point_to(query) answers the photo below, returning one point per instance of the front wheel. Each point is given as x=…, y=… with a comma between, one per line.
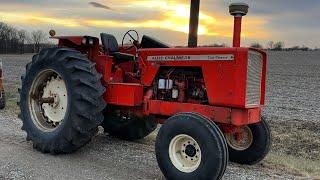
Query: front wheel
x=189, y=147
x=251, y=145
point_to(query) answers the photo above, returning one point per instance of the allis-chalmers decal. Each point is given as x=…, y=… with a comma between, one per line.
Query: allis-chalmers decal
x=214, y=57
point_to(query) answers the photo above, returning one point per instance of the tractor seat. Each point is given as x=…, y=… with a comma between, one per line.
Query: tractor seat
x=110, y=45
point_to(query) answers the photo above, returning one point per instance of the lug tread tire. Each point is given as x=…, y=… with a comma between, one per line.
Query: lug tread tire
x=204, y=130
x=85, y=101
x=134, y=129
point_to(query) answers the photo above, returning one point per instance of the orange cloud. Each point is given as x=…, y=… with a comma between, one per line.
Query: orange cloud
x=30, y=18
x=174, y=17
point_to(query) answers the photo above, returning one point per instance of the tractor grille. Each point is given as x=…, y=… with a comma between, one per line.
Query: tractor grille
x=254, y=76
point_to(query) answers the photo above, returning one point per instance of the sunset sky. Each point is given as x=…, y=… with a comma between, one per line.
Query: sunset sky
x=296, y=22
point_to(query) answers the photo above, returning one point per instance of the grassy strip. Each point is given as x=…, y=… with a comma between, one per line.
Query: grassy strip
x=12, y=97
x=296, y=165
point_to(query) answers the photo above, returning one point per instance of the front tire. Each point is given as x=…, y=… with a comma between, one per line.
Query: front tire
x=188, y=146
x=254, y=145
x=61, y=100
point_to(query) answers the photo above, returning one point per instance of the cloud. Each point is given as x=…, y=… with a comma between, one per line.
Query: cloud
x=99, y=5
x=292, y=21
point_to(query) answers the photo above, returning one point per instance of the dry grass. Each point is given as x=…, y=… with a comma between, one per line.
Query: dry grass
x=293, y=164
x=12, y=97
x=297, y=138
x=296, y=147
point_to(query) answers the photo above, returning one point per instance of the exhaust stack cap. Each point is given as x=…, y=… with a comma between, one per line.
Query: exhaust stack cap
x=238, y=9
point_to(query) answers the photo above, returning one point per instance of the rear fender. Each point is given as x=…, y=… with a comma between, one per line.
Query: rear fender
x=75, y=42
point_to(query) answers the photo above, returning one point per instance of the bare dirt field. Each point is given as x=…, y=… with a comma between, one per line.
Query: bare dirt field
x=292, y=109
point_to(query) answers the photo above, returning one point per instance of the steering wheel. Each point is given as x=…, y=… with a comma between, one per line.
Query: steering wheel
x=133, y=41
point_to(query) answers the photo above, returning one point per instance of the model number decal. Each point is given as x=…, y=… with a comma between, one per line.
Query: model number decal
x=214, y=57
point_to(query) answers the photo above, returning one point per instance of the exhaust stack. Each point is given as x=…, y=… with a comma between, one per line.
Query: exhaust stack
x=194, y=23
x=238, y=10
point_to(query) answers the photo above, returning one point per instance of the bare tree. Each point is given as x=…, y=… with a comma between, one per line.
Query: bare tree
x=22, y=38
x=37, y=38
x=270, y=45
x=217, y=45
x=8, y=38
x=13, y=40
x=278, y=46
x=256, y=45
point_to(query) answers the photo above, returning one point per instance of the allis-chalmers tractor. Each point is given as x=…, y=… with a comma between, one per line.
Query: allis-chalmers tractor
x=209, y=100
x=2, y=97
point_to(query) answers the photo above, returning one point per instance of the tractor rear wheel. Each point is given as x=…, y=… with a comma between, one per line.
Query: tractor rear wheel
x=61, y=100
x=127, y=127
x=189, y=146
x=253, y=145
x=2, y=100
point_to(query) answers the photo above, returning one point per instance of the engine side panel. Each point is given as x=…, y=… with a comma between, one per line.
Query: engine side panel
x=224, y=70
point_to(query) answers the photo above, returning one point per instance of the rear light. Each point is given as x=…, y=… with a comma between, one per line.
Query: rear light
x=254, y=77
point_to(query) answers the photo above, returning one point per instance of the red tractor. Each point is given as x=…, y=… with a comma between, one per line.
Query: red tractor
x=2, y=97
x=209, y=100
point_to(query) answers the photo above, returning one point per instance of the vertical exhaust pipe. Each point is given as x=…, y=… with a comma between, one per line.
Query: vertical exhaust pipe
x=194, y=23
x=238, y=10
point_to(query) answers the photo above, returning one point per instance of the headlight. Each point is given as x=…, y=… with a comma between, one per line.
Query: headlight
x=84, y=41
x=88, y=41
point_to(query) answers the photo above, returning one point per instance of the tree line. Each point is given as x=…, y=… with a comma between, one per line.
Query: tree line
x=13, y=40
x=271, y=45
x=280, y=46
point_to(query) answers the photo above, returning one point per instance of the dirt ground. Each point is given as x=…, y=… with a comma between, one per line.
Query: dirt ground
x=292, y=110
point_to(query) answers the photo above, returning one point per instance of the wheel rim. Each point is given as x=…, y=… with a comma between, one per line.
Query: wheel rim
x=185, y=153
x=242, y=143
x=48, y=100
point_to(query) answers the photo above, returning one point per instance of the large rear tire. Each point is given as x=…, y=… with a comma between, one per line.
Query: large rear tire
x=127, y=127
x=253, y=146
x=190, y=147
x=61, y=100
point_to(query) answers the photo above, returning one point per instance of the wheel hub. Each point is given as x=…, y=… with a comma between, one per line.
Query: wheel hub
x=48, y=100
x=190, y=150
x=185, y=153
x=56, y=110
x=241, y=139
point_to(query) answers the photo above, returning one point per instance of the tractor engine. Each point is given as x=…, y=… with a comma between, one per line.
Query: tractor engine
x=180, y=85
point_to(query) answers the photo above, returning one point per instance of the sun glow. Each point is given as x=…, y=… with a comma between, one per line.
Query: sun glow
x=172, y=16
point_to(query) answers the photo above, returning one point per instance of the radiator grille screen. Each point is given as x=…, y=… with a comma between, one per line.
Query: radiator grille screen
x=254, y=76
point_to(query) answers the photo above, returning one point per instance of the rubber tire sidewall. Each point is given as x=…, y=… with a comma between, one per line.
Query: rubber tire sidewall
x=259, y=148
x=26, y=87
x=71, y=134
x=211, y=152
x=131, y=130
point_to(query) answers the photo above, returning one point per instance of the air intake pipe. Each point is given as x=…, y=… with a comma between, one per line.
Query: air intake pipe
x=238, y=10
